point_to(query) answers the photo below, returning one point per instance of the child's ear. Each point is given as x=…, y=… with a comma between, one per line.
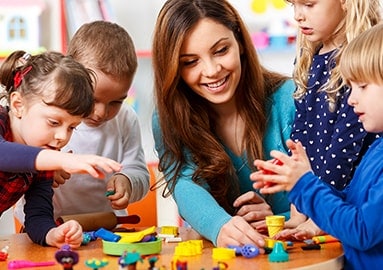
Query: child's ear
x=16, y=104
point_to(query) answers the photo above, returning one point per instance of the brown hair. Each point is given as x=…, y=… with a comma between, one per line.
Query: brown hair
x=186, y=120
x=59, y=80
x=104, y=46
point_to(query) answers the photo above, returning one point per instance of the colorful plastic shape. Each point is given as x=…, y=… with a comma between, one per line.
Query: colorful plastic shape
x=107, y=235
x=222, y=254
x=4, y=253
x=96, y=264
x=169, y=230
x=249, y=251
x=278, y=254
x=133, y=237
x=18, y=264
x=189, y=248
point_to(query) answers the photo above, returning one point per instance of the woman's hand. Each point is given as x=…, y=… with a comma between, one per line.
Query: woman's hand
x=238, y=232
x=252, y=208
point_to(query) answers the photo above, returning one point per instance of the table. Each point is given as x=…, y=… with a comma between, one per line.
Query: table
x=330, y=256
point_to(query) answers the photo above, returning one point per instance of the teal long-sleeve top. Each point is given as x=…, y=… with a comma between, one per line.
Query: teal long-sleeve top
x=197, y=206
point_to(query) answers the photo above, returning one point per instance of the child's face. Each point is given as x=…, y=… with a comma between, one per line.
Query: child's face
x=41, y=125
x=109, y=94
x=210, y=61
x=318, y=19
x=366, y=99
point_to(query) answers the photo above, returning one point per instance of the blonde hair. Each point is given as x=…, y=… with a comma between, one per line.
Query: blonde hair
x=362, y=60
x=359, y=15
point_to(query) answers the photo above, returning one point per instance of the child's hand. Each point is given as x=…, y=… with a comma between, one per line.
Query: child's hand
x=59, y=178
x=122, y=188
x=283, y=176
x=92, y=164
x=305, y=230
x=68, y=233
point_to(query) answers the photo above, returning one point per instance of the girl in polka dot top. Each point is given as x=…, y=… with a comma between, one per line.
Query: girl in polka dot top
x=325, y=124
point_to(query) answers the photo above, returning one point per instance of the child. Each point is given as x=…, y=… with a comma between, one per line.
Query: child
x=48, y=95
x=218, y=109
x=351, y=215
x=112, y=130
x=326, y=126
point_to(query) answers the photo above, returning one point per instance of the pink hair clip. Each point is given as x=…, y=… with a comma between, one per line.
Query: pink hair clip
x=19, y=76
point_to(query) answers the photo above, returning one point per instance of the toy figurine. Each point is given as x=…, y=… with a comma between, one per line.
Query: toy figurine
x=128, y=261
x=152, y=261
x=66, y=257
x=96, y=264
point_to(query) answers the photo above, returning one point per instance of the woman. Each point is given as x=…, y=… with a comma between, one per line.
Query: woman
x=218, y=109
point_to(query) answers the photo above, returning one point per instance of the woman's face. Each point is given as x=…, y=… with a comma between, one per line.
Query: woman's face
x=210, y=61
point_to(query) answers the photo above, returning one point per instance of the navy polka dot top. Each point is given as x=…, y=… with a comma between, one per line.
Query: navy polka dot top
x=334, y=141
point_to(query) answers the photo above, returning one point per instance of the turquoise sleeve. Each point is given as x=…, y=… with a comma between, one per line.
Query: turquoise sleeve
x=195, y=204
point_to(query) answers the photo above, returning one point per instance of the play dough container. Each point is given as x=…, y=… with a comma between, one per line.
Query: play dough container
x=131, y=242
x=144, y=248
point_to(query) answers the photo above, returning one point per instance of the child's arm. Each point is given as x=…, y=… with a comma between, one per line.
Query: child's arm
x=50, y=160
x=40, y=224
x=133, y=157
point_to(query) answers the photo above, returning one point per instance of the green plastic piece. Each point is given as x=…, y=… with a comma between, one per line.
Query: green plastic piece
x=144, y=248
x=278, y=254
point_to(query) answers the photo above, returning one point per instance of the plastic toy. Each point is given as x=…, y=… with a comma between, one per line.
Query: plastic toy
x=222, y=254
x=247, y=251
x=324, y=239
x=66, y=257
x=96, y=264
x=128, y=260
x=189, y=248
x=132, y=237
x=167, y=231
x=152, y=261
x=221, y=266
x=107, y=235
x=144, y=248
x=4, y=253
x=18, y=264
x=276, y=162
x=181, y=265
x=278, y=254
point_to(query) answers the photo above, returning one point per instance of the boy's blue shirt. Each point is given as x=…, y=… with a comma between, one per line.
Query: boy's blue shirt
x=352, y=215
x=193, y=199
